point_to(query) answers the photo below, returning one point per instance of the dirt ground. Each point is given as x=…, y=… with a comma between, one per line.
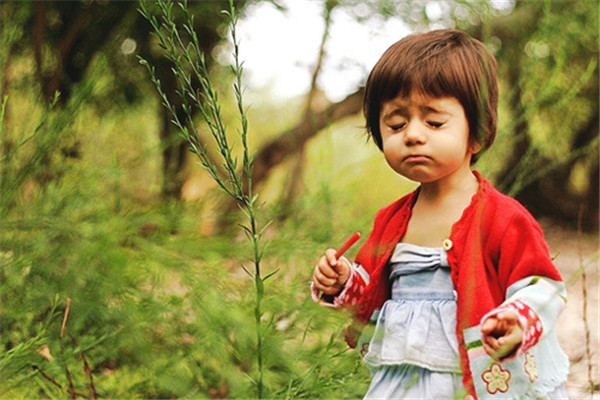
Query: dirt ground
x=574, y=252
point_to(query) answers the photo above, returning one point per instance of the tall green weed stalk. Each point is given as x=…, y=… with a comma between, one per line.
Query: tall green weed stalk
x=182, y=48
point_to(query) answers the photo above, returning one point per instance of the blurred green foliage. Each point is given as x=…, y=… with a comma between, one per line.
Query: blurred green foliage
x=157, y=309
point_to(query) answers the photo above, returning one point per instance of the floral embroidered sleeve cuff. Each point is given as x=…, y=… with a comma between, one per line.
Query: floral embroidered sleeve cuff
x=528, y=320
x=352, y=291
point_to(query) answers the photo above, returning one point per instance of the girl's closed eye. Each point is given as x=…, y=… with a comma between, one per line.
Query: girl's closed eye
x=397, y=127
x=435, y=124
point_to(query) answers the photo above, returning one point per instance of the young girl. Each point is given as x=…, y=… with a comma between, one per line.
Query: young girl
x=457, y=276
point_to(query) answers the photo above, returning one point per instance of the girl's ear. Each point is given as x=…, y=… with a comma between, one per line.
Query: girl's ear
x=474, y=147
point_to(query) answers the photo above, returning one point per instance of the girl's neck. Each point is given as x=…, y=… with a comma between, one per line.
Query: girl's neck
x=438, y=207
x=461, y=184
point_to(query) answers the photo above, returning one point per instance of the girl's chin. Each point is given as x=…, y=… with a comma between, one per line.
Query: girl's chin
x=418, y=175
x=429, y=174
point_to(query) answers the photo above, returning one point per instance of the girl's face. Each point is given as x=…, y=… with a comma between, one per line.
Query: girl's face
x=425, y=139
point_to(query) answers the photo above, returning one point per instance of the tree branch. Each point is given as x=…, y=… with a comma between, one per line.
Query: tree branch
x=277, y=150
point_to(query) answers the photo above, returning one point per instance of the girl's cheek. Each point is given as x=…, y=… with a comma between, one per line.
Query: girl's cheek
x=393, y=146
x=394, y=160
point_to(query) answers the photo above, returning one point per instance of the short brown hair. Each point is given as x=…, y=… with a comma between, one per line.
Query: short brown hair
x=440, y=63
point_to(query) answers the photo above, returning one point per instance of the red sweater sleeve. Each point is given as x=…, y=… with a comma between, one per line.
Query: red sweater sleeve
x=522, y=250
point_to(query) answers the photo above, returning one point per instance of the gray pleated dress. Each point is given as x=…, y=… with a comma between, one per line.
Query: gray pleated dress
x=414, y=350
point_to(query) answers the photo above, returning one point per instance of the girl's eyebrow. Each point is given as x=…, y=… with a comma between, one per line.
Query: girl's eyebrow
x=398, y=111
x=429, y=109
x=425, y=109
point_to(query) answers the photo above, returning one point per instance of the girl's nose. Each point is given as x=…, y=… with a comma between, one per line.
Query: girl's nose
x=414, y=134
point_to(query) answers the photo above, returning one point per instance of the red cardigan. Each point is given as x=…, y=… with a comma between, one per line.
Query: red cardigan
x=495, y=243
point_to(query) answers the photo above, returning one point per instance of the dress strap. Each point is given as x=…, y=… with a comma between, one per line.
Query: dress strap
x=408, y=258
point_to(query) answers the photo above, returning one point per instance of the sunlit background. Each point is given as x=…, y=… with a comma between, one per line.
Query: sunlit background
x=280, y=48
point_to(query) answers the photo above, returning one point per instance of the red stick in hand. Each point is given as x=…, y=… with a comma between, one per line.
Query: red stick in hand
x=349, y=243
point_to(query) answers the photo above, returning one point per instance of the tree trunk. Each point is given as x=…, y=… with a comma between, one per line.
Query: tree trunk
x=174, y=154
x=87, y=27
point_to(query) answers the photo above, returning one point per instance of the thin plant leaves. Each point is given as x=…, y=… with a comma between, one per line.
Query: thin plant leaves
x=189, y=66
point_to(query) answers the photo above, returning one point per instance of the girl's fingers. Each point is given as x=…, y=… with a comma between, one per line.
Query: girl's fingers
x=489, y=325
x=326, y=289
x=513, y=338
x=324, y=279
x=495, y=348
x=326, y=276
x=342, y=269
x=490, y=343
x=501, y=335
x=493, y=343
x=326, y=269
x=320, y=287
x=508, y=317
x=488, y=349
x=330, y=256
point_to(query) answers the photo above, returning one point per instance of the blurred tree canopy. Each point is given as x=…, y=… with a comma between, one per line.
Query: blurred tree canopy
x=547, y=55
x=548, y=61
x=66, y=37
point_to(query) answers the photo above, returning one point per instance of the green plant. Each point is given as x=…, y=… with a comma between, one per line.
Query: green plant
x=188, y=63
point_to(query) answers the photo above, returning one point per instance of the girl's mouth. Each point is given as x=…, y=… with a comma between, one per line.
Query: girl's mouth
x=416, y=159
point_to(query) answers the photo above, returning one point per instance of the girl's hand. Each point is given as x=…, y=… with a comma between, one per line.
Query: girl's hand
x=501, y=335
x=330, y=274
